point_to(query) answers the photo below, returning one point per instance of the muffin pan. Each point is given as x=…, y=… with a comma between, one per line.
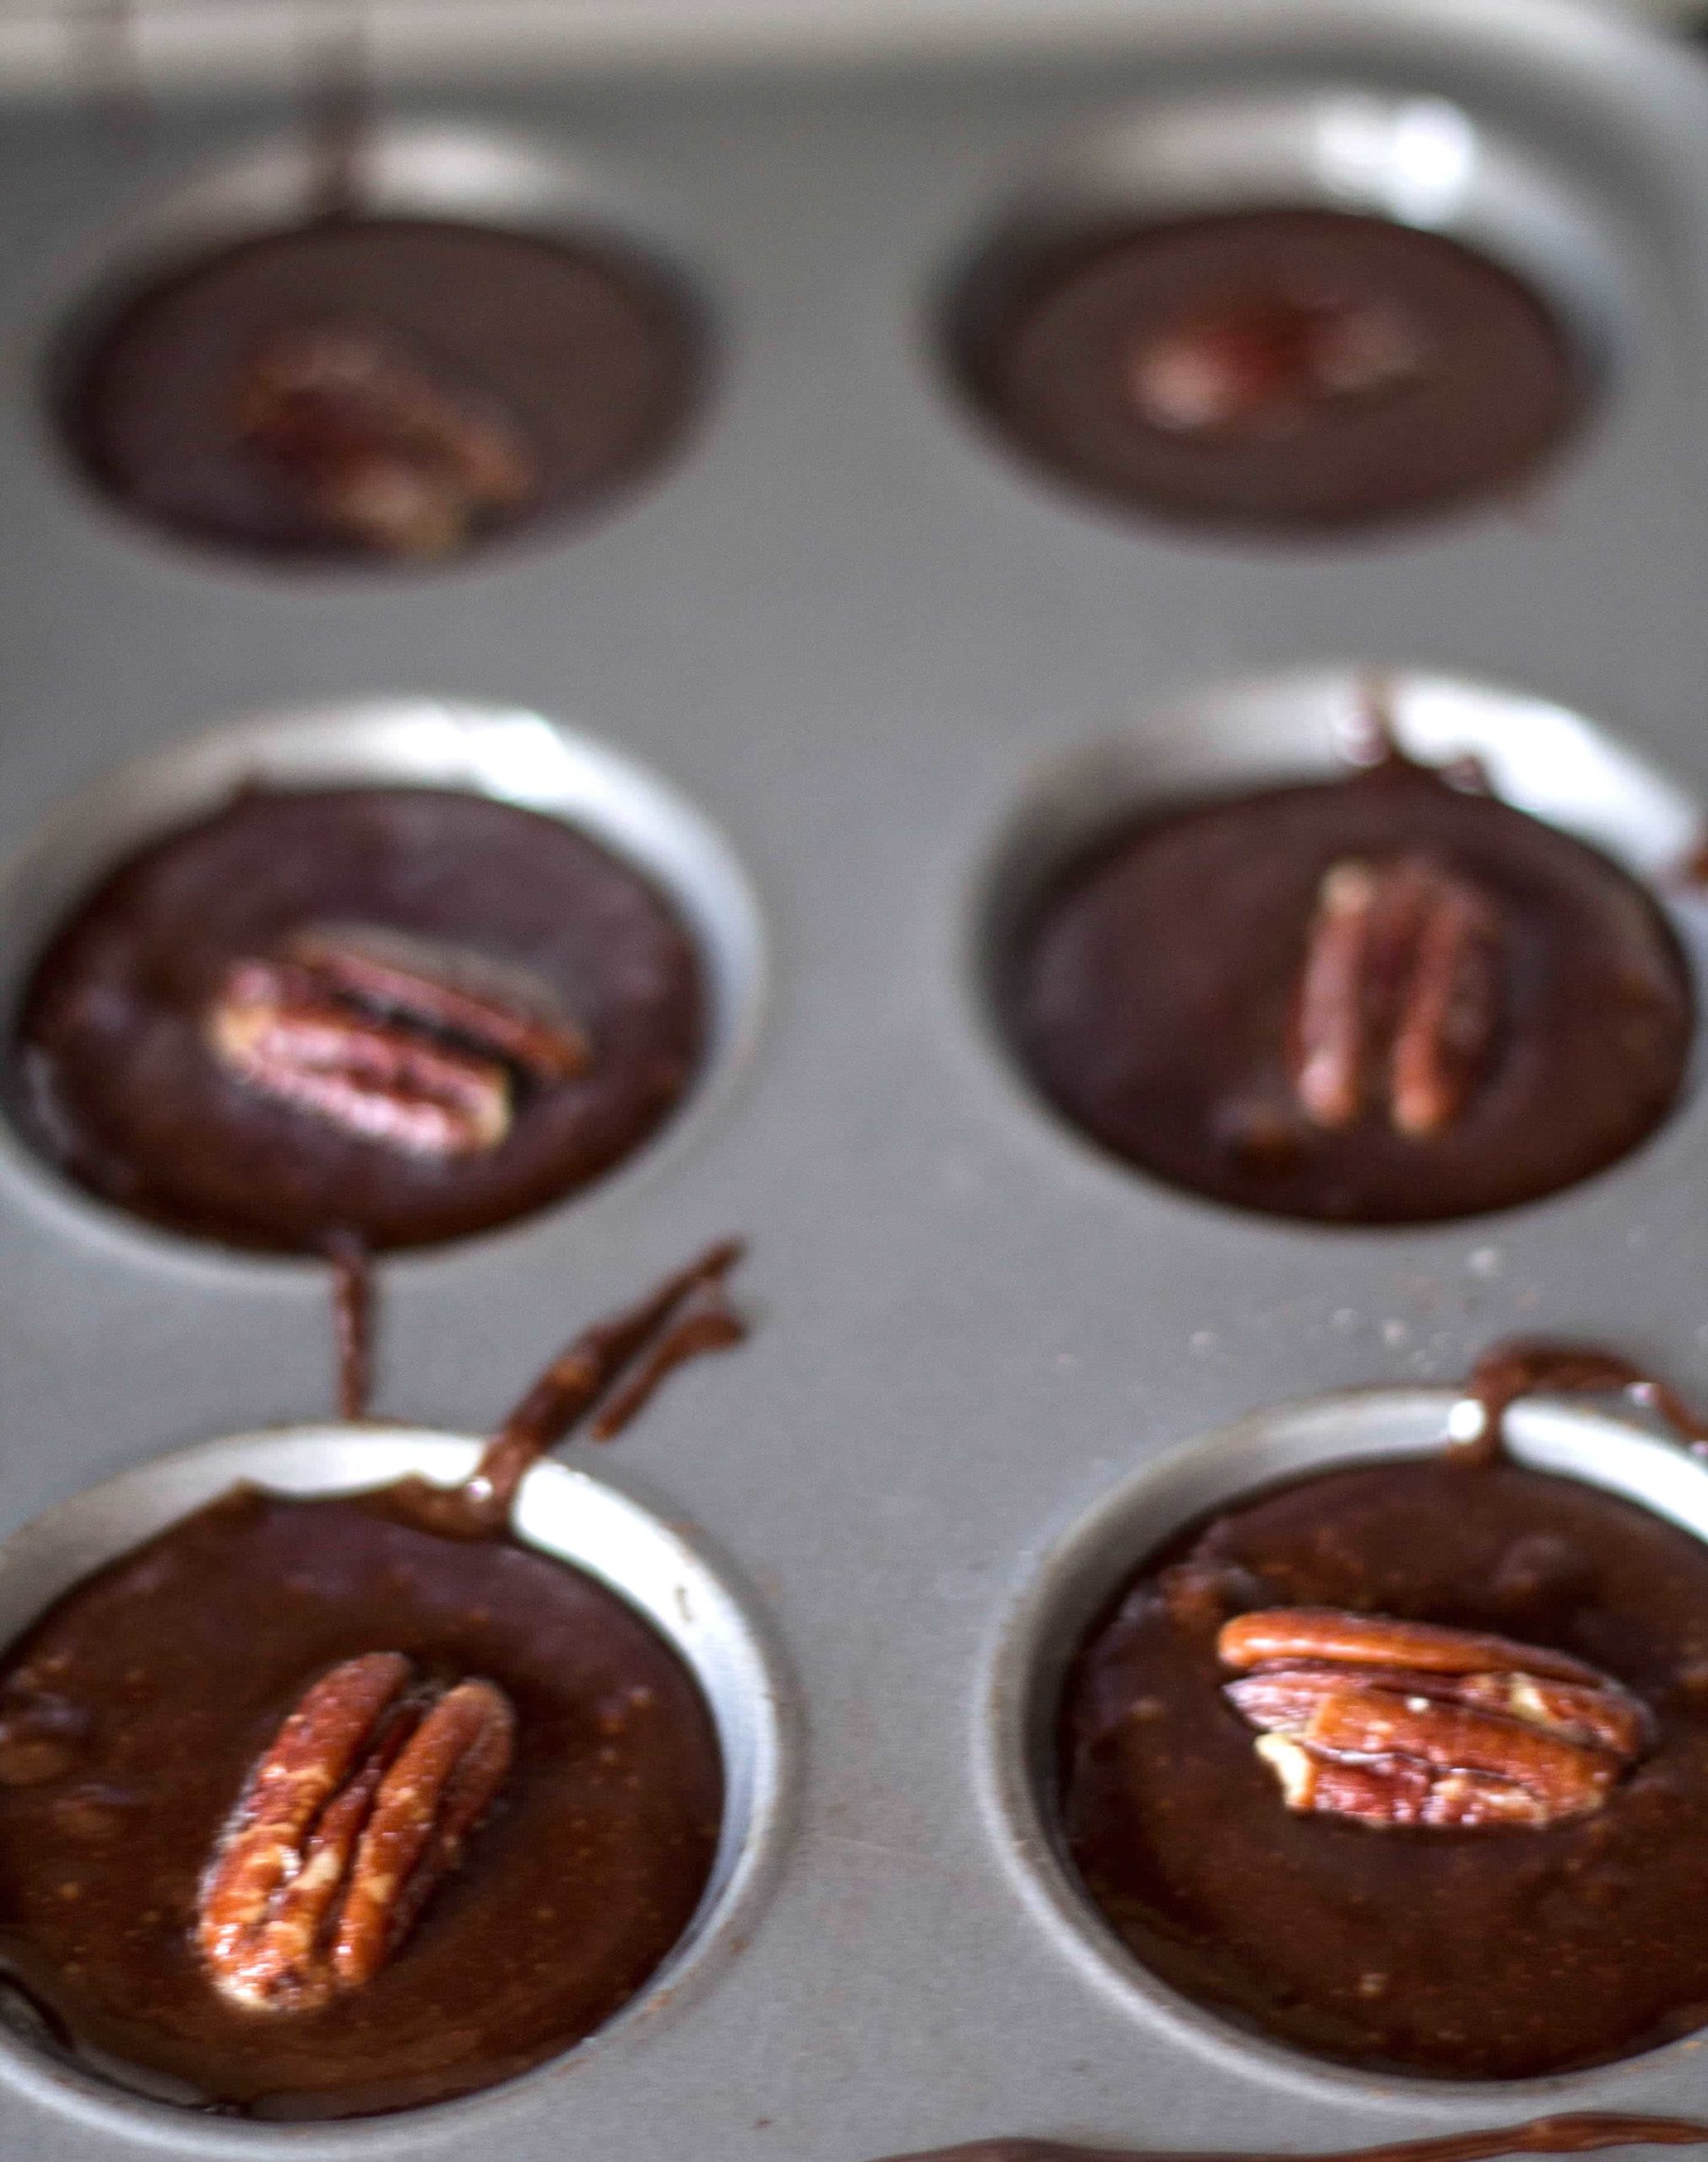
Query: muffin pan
x=868, y=645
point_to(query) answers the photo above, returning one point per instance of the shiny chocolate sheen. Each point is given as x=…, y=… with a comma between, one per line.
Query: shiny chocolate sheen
x=112, y=1079
x=1495, y=1954
x=167, y=1674
x=587, y=354
x=1493, y=392
x=1152, y=993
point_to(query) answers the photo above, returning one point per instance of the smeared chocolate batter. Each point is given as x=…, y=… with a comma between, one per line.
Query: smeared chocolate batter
x=1154, y=997
x=1581, y=2133
x=111, y=1078
x=1524, y=1366
x=605, y=1377
x=354, y=1294
x=1288, y=370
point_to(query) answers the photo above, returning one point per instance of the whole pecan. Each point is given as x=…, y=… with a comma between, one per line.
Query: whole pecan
x=364, y=432
x=391, y=1038
x=1401, y=1723
x=1261, y=365
x=1399, y=995
x=498, y=1008
x=358, y=1810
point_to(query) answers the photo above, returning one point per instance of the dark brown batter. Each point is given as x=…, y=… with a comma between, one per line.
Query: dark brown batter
x=112, y=1077
x=164, y=1810
x=582, y=360
x=1156, y=996
x=1281, y=369
x=1497, y=1953
x=354, y=1296
x=605, y=1378
x=1578, y=2134
x=1536, y=1365
x=164, y=1677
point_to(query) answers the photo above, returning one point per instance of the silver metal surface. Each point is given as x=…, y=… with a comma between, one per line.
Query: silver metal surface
x=45, y=44
x=867, y=647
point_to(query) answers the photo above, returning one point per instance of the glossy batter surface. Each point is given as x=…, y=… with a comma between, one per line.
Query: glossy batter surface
x=131, y=1715
x=1150, y=997
x=1493, y=1954
x=1497, y=388
x=111, y=1078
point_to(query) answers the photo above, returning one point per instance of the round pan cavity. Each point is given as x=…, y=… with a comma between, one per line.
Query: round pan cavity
x=561, y=1512
x=511, y=757
x=1074, y=1579
x=1234, y=743
x=1305, y=162
x=481, y=440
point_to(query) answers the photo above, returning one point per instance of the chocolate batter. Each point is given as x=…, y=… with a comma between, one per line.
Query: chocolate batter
x=1499, y=1953
x=1287, y=370
x=160, y=1680
x=1541, y=1365
x=112, y=1076
x=134, y=1714
x=1578, y=2134
x=1158, y=993
x=220, y=400
x=354, y=1296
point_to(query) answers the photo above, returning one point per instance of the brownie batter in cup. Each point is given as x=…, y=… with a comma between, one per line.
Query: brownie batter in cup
x=408, y=1014
x=1382, y=999
x=319, y=1806
x=1293, y=371
x=1405, y=1764
x=387, y=389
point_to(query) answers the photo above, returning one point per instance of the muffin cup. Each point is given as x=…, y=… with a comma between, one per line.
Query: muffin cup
x=1076, y=1576
x=587, y=1523
x=513, y=757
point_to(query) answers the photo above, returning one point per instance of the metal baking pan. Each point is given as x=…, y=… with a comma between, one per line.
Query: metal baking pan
x=850, y=658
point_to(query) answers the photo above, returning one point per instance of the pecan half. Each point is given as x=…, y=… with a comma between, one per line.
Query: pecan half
x=1262, y=366
x=1394, y=1723
x=274, y=1027
x=1399, y=995
x=357, y=1812
x=375, y=445
x=391, y=1038
x=496, y=1008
